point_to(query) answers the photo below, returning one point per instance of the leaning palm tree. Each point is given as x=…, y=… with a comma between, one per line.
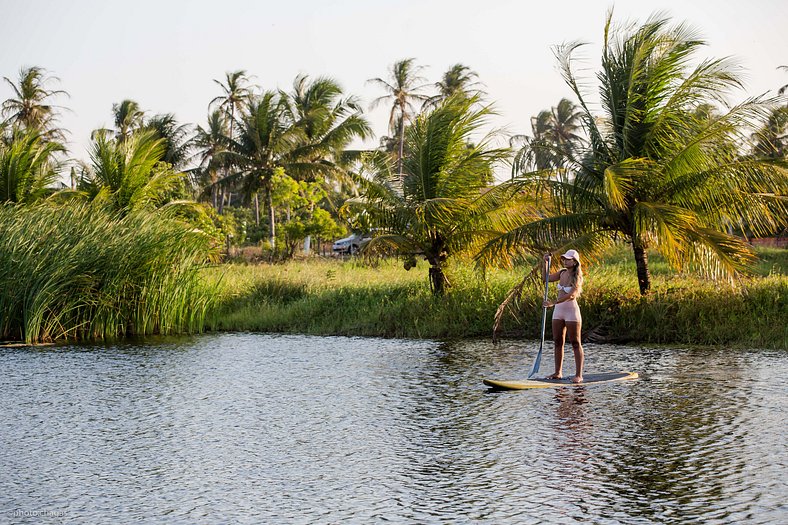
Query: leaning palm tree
x=31, y=108
x=656, y=171
x=28, y=167
x=443, y=209
x=457, y=79
x=403, y=88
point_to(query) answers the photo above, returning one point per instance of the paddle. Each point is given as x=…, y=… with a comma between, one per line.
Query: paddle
x=538, y=360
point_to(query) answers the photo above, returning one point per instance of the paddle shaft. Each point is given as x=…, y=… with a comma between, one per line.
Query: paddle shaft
x=538, y=360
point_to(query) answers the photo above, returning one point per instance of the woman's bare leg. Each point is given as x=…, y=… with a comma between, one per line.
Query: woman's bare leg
x=573, y=330
x=559, y=333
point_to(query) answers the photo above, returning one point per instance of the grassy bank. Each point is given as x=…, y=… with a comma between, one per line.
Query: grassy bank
x=352, y=298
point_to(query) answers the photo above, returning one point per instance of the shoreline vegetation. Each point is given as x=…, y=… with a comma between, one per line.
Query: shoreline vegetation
x=659, y=188
x=379, y=298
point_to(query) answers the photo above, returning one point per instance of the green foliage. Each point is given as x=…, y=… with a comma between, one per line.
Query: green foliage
x=129, y=175
x=351, y=298
x=83, y=272
x=30, y=107
x=659, y=169
x=27, y=166
x=440, y=209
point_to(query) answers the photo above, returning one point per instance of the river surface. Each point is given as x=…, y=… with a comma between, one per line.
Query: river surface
x=267, y=429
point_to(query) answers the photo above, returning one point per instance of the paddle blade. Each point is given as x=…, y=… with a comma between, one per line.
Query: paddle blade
x=535, y=367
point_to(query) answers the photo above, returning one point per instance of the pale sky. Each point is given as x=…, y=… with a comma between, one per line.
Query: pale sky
x=164, y=54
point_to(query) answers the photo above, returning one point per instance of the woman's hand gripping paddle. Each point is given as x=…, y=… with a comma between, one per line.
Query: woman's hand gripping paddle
x=538, y=360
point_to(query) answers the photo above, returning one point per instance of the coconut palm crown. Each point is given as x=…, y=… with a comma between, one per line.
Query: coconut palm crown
x=441, y=209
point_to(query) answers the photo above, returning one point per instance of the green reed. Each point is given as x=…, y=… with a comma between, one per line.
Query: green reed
x=81, y=272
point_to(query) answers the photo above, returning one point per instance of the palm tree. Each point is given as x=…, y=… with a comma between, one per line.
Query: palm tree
x=264, y=139
x=403, y=89
x=128, y=175
x=442, y=210
x=457, y=79
x=236, y=94
x=177, y=146
x=30, y=108
x=330, y=122
x=128, y=118
x=209, y=142
x=555, y=134
x=27, y=166
x=656, y=171
x=771, y=139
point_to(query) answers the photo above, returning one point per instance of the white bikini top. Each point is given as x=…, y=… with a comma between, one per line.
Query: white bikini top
x=565, y=289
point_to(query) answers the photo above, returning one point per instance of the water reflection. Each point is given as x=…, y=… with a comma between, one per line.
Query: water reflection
x=251, y=428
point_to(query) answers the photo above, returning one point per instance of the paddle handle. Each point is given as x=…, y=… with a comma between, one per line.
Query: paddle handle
x=538, y=360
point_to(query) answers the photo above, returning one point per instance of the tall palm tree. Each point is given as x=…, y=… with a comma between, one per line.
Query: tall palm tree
x=209, y=142
x=656, y=171
x=403, y=88
x=457, y=79
x=329, y=121
x=30, y=107
x=236, y=94
x=27, y=166
x=264, y=139
x=443, y=210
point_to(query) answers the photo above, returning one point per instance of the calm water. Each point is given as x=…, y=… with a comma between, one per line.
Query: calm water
x=245, y=428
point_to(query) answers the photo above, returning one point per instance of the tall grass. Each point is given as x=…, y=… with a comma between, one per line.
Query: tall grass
x=82, y=272
x=352, y=298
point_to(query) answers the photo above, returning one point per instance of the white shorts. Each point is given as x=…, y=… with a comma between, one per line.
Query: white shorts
x=567, y=311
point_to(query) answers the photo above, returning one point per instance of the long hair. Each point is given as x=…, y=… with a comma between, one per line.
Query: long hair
x=577, y=276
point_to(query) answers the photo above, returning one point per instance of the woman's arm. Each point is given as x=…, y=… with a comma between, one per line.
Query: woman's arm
x=545, y=269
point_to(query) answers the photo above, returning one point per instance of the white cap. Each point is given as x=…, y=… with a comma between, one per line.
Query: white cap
x=571, y=254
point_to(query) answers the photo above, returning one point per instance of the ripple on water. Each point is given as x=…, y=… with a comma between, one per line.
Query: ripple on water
x=252, y=428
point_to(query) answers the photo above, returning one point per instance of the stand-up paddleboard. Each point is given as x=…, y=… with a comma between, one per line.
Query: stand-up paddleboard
x=589, y=379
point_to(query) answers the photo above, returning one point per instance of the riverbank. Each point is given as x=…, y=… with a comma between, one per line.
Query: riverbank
x=351, y=297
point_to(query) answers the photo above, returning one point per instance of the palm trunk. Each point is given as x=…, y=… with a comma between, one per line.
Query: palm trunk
x=221, y=201
x=641, y=260
x=401, y=146
x=271, y=217
x=256, y=209
x=437, y=280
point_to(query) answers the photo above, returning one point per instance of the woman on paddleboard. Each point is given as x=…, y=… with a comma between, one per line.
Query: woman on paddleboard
x=566, y=312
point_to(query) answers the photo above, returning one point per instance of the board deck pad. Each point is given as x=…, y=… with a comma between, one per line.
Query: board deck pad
x=589, y=379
